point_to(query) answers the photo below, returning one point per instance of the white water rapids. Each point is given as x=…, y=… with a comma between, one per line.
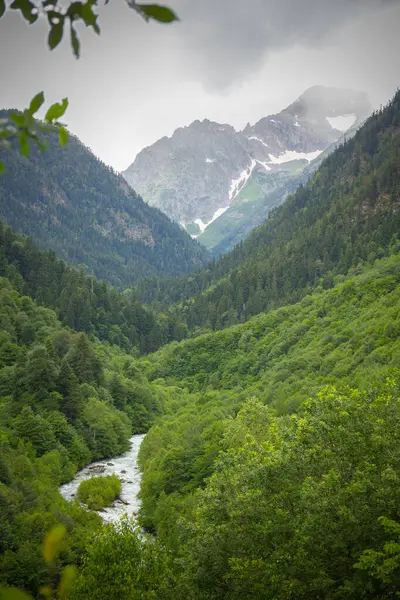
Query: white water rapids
x=126, y=468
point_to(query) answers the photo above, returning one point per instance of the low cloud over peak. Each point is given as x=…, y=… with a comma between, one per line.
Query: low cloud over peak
x=226, y=41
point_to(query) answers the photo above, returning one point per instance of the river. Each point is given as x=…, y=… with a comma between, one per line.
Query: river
x=126, y=467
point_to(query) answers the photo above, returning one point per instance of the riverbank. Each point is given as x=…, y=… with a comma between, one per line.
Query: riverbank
x=126, y=468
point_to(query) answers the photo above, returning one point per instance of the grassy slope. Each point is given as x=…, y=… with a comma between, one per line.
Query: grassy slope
x=261, y=194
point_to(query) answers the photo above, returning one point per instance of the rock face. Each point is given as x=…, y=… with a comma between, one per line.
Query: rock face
x=207, y=172
x=312, y=122
x=188, y=175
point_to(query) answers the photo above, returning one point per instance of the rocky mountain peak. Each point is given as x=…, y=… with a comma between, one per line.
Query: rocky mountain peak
x=201, y=171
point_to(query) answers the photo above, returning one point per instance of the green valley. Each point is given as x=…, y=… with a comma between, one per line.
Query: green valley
x=177, y=426
x=64, y=401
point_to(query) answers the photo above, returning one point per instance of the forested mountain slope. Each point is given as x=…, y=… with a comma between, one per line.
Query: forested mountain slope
x=69, y=201
x=64, y=402
x=238, y=459
x=293, y=490
x=82, y=302
x=348, y=213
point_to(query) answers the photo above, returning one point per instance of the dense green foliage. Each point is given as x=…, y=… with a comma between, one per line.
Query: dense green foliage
x=293, y=488
x=295, y=502
x=82, y=302
x=99, y=492
x=122, y=565
x=64, y=401
x=273, y=473
x=70, y=202
x=347, y=214
x=347, y=335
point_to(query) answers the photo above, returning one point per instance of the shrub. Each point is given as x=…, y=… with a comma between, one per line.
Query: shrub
x=99, y=492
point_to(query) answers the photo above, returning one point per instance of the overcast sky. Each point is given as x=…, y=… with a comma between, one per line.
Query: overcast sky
x=232, y=61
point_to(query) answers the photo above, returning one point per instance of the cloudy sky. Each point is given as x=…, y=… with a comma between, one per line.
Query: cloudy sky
x=232, y=61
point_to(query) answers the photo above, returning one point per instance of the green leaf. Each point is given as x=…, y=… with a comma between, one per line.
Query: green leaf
x=13, y=593
x=74, y=11
x=29, y=119
x=2, y=170
x=75, y=42
x=18, y=119
x=162, y=14
x=27, y=8
x=63, y=136
x=36, y=103
x=68, y=577
x=55, y=34
x=39, y=144
x=53, y=541
x=89, y=17
x=57, y=110
x=2, y=8
x=23, y=143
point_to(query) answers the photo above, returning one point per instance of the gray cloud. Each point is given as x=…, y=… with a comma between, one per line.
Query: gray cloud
x=227, y=40
x=232, y=61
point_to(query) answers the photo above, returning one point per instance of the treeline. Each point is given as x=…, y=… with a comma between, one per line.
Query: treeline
x=347, y=214
x=64, y=401
x=72, y=203
x=82, y=302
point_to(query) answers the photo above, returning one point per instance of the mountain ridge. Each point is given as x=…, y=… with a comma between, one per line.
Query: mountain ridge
x=347, y=213
x=206, y=170
x=70, y=201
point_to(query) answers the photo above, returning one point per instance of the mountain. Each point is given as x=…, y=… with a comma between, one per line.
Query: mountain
x=220, y=183
x=81, y=302
x=347, y=214
x=69, y=201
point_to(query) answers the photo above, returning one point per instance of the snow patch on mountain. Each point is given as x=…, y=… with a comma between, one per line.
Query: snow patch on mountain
x=264, y=164
x=254, y=137
x=218, y=213
x=238, y=183
x=289, y=155
x=202, y=226
x=342, y=122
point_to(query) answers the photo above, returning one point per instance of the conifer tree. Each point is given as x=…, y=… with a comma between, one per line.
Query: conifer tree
x=68, y=387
